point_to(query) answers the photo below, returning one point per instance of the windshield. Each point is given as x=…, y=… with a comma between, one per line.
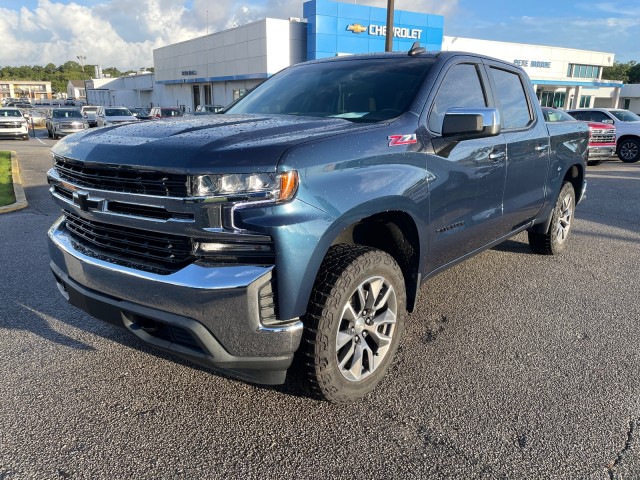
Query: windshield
x=90, y=109
x=625, y=116
x=67, y=114
x=117, y=112
x=370, y=89
x=10, y=113
x=551, y=115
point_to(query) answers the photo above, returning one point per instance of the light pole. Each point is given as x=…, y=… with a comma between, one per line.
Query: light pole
x=82, y=58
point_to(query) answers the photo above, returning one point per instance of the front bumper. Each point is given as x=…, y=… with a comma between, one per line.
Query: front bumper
x=67, y=131
x=206, y=314
x=600, y=153
x=14, y=132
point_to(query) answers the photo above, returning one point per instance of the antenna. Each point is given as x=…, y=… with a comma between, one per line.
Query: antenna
x=416, y=49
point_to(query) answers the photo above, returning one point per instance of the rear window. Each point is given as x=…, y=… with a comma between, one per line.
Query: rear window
x=370, y=90
x=171, y=112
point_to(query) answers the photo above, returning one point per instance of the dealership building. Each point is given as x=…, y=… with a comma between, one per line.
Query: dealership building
x=216, y=69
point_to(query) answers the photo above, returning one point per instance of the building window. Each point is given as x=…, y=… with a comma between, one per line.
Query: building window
x=553, y=99
x=239, y=93
x=207, y=95
x=626, y=103
x=585, y=101
x=583, y=71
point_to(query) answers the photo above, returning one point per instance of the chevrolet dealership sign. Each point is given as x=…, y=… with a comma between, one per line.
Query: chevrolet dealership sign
x=381, y=31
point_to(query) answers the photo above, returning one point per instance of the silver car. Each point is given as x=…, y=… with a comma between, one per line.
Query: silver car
x=113, y=115
x=65, y=121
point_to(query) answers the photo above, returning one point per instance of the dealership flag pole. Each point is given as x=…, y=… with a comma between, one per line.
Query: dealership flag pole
x=388, y=46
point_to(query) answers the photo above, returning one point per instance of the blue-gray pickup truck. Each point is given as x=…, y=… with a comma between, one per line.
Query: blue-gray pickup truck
x=292, y=232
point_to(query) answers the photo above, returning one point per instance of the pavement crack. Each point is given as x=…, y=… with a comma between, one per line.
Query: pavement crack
x=612, y=468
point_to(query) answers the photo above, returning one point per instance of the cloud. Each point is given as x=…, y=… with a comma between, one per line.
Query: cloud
x=123, y=33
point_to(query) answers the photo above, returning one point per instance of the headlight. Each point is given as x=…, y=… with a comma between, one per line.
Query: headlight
x=279, y=187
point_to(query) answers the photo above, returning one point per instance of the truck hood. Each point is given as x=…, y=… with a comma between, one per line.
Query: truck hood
x=204, y=144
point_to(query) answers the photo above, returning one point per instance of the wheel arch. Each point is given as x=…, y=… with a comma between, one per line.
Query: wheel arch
x=626, y=136
x=396, y=233
x=575, y=175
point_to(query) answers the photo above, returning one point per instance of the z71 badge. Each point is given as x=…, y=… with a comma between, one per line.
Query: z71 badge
x=395, y=140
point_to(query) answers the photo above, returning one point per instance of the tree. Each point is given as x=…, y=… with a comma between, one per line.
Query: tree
x=619, y=71
x=634, y=74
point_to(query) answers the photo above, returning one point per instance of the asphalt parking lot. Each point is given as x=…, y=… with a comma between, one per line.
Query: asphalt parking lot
x=514, y=366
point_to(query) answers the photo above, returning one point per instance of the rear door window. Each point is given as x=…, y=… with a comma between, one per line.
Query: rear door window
x=515, y=111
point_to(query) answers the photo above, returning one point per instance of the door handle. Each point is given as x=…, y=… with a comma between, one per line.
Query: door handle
x=497, y=156
x=541, y=148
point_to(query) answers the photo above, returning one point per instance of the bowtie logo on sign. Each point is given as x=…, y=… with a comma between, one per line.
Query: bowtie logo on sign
x=381, y=31
x=356, y=28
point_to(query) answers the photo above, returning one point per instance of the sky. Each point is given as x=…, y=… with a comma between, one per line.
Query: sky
x=123, y=33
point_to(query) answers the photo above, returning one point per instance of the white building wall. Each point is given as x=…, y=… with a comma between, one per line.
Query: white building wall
x=231, y=61
x=631, y=92
x=286, y=44
x=558, y=57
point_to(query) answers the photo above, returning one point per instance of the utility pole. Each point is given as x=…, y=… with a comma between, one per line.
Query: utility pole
x=388, y=45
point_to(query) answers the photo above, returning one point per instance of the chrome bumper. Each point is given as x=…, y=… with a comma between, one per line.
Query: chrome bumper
x=597, y=153
x=216, y=307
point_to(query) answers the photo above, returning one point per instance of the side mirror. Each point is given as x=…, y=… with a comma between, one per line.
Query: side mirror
x=467, y=123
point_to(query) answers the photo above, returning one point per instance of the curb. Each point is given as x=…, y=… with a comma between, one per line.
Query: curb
x=21, y=199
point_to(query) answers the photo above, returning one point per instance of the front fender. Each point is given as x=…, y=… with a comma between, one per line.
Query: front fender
x=303, y=234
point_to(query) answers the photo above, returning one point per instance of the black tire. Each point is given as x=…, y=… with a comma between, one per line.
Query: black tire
x=629, y=150
x=367, y=330
x=26, y=137
x=554, y=241
x=593, y=163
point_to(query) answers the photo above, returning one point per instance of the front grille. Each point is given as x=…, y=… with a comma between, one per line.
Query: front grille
x=149, y=251
x=10, y=125
x=602, y=136
x=120, y=179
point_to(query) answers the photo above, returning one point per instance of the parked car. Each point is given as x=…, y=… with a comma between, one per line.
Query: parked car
x=13, y=123
x=70, y=101
x=37, y=116
x=89, y=112
x=165, y=112
x=106, y=116
x=602, y=136
x=140, y=113
x=627, y=128
x=296, y=229
x=65, y=121
x=208, y=109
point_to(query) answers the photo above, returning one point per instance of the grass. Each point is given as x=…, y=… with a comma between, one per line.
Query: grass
x=6, y=182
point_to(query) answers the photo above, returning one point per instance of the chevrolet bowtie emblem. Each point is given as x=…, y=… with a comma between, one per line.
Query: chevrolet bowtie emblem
x=356, y=28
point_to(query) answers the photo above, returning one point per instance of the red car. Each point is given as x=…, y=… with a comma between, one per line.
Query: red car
x=602, y=136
